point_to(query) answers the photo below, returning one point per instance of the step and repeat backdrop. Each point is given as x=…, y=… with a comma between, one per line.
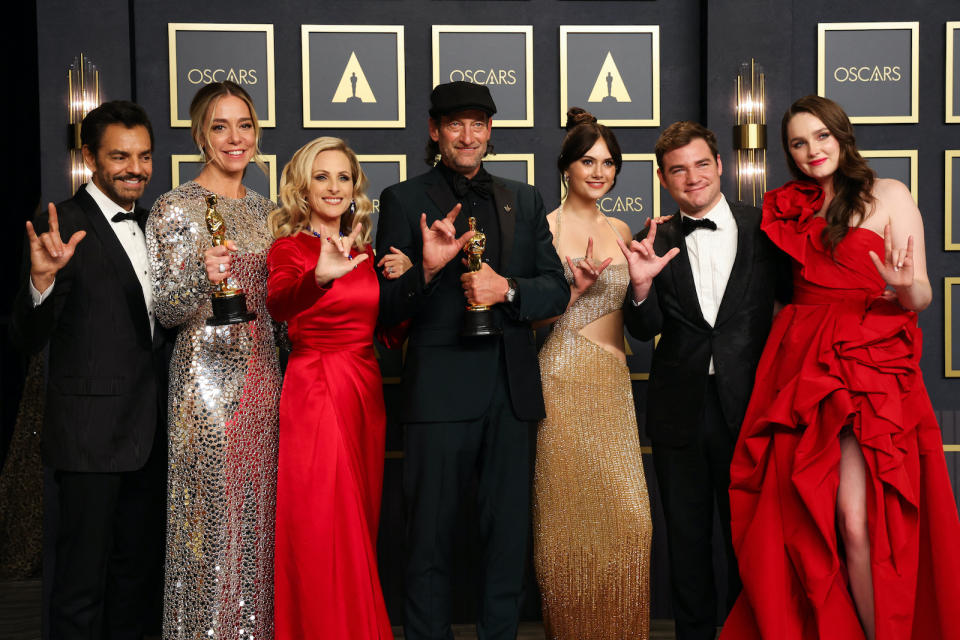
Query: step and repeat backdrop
x=642, y=66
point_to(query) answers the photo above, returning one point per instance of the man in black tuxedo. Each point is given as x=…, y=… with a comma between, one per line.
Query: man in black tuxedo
x=705, y=280
x=90, y=300
x=469, y=404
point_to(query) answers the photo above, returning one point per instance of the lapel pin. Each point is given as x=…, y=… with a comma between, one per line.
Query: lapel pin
x=506, y=208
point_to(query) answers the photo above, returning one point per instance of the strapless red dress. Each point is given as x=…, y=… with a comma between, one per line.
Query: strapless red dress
x=839, y=357
x=330, y=470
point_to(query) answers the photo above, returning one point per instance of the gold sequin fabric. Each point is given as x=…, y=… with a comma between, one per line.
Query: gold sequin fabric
x=591, y=512
x=223, y=429
x=21, y=484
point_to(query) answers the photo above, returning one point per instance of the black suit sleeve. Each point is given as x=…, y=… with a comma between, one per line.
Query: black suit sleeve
x=31, y=327
x=646, y=320
x=400, y=298
x=547, y=293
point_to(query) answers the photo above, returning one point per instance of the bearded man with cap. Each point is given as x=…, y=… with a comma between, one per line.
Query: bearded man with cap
x=469, y=403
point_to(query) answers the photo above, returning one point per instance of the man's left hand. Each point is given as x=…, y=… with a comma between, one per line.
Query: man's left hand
x=486, y=287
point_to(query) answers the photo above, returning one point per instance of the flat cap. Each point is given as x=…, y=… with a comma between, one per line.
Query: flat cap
x=460, y=96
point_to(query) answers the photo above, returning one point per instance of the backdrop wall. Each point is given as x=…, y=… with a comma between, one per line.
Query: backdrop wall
x=701, y=44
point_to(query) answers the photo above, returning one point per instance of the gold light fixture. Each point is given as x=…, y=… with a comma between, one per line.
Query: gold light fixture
x=750, y=133
x=83, y=87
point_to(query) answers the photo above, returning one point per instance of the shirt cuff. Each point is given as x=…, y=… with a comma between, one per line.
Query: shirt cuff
x=38, y=297
x=635, y=303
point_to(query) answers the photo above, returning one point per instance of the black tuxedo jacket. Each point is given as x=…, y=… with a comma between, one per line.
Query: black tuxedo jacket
x=106, y=379
x=679, y=371
x=447, y=378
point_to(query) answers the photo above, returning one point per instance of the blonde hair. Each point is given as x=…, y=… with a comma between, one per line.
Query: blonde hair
x=293, y=214
x=201, y=115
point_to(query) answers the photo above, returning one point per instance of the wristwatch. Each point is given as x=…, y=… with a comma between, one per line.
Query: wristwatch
x=511, y=290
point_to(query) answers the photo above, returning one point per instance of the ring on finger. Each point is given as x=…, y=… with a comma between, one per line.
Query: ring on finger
x=222, y=268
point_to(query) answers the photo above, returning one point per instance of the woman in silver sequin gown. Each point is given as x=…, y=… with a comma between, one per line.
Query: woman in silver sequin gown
x=224, y=387
x=591, y=513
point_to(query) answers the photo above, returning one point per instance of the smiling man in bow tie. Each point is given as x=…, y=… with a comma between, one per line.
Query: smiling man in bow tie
x=705, y=280
x=87, y=296
x=469, y=403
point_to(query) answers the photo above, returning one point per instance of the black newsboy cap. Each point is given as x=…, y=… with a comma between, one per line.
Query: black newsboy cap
x=460, y=96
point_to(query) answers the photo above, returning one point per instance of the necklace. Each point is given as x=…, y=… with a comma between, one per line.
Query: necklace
x=317, y=234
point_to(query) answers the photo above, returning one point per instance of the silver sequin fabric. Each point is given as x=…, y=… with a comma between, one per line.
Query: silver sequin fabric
x=223, y=423
x=591, y=512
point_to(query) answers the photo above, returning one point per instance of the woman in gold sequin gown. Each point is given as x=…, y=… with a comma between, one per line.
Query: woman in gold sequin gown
x=224, y=387
x=591, y=513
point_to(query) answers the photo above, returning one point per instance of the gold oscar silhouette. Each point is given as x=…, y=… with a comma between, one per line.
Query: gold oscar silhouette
x=478, y=320
x=229, y=303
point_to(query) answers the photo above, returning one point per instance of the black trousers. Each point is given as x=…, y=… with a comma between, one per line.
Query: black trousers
x=440, y=461
x=691, y=478
x=109, y=551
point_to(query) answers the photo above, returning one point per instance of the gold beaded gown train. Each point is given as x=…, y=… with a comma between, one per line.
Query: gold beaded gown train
x=591, y=513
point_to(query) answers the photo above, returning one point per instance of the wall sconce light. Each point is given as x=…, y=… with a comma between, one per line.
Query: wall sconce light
x=83, y=94
x=750, y=133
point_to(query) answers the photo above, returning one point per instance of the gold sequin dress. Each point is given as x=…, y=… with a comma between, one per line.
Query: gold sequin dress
x=224, y=395
x=591, y=512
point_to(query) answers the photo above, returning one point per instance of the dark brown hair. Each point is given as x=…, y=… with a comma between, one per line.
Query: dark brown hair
x=680, y=134
x=583, y=131
x=852, y=181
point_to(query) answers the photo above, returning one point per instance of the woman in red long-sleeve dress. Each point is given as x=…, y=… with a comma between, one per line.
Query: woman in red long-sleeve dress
x=323, y=284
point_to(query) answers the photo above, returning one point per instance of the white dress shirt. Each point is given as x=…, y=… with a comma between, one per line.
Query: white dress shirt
x=711, y=255
x=131, y=239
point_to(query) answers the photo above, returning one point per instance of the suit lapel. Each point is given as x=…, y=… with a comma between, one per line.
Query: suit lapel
x=682, y=272
x=742, y=267
x=117, y=257
x=507, y=215
x=443, y=198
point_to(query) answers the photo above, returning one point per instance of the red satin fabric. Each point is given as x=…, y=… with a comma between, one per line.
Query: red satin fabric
x=840, y=356
x=330, y=472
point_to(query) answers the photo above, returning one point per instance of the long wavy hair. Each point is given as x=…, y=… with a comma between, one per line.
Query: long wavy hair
x=852, y=181
x=583, y=131
x=293, y=214
x=201, y=115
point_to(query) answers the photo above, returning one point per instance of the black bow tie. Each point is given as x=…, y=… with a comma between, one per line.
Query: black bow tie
x=124, y=215
x=481, y=185
x=689, y=224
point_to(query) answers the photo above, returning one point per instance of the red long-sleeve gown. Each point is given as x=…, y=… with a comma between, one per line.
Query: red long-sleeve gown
x=330, y=471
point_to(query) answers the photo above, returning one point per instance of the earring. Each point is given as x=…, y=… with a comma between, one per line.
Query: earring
x=566, y=177
x=353, y=207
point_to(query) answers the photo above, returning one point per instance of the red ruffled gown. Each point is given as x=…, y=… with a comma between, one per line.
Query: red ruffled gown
x=839, y=356
x=330, y=471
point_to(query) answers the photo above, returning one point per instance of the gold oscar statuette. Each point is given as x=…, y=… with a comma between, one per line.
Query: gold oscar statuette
x=229, y=303
x=478, y=320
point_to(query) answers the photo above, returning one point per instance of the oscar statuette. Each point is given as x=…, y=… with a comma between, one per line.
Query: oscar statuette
x=229, y=304
x=478, y=320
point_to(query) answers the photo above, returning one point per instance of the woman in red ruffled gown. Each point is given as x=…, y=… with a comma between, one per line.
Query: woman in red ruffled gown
x=332, y=418
x=843, y=519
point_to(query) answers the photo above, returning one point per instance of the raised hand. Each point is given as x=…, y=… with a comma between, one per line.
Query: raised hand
x=440, y=242
x=586, y=272
x=48, y=254
x=217, y=259
x=334, y=260
x=643, y=262
x=896, y=269
x=394, y=264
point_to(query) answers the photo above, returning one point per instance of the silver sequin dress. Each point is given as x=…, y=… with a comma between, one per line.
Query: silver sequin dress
x=223, y=429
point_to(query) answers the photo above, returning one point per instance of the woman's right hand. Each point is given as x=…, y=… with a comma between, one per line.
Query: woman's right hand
x=217, y=260
x=334, y=260
x=585, y=272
